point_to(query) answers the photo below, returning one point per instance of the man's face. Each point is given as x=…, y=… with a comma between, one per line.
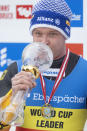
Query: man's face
x=54, y=39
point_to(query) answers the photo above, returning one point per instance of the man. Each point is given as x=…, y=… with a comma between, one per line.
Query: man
x=66, y=91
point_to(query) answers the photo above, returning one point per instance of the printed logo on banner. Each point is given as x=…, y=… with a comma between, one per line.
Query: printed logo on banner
x=77, y=12
x=76, y=48
x=5, y=12
x=8, y=55
x=4, y=60
x=3, y=56
x=23, y=11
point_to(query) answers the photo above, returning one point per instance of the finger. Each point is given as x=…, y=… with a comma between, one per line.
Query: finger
x=15, y=88
x=22, y=73
x=19, y=76
x=22, y=79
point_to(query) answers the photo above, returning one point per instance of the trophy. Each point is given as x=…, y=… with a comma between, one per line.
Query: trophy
x=36, y=57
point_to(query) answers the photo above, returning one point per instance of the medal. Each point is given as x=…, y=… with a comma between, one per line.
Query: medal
x=47, y=109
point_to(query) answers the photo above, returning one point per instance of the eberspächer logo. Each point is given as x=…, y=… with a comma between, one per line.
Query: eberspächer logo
x=4, y=60
x=3, y=56
x=8, y=54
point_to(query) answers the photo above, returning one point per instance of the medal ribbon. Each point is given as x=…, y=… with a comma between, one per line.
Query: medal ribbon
x=58, y=79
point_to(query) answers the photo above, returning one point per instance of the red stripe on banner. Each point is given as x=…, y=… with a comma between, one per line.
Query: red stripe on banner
x=76, y=48
x=25, y=129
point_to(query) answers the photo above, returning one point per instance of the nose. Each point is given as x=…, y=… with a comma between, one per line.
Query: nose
x=45, y=39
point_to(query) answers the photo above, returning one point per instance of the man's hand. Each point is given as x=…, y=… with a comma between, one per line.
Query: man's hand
x=22, y=81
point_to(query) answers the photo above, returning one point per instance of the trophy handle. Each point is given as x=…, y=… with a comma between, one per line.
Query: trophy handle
x=34, y=70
